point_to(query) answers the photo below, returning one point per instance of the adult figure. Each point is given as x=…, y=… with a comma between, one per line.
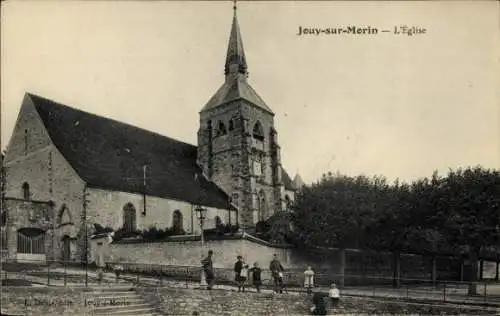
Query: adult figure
x=238, y=266
x=102, y=241
x=277, y=273
x=208, y=269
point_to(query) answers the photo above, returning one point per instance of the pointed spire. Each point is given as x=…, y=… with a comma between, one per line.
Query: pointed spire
x=235, y=58
x=298, y=183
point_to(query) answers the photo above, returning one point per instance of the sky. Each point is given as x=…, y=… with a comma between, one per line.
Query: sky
x=386, y=104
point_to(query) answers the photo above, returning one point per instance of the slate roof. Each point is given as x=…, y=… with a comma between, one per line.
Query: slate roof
x=235, y=89
x=109, y=154
x=236, y=86
x=235, y=52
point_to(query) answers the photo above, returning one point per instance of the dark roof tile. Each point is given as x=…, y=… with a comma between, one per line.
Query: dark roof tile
x=109, y=154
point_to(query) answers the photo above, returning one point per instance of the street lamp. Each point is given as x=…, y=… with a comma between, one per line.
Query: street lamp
x=201, y=213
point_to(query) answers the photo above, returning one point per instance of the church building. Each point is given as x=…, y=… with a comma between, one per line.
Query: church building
x=67, y=170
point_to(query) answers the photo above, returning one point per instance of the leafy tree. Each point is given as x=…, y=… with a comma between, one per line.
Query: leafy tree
x=278, y=228
x=457, y=214
x=468, y=212
x=335, y=212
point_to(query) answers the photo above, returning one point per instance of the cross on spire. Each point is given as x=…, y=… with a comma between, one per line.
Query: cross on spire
x=235, y=58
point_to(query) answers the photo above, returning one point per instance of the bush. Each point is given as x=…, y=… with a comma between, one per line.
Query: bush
x=101, y=230
x=221, y=230
x=154, y=233
x=122, y=233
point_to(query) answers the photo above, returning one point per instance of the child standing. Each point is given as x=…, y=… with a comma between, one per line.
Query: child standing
x=256, y=271
x=309, y=279
x=243, y=278
x=334, y=295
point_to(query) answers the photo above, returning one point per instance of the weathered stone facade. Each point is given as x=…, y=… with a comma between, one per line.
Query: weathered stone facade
x=35, y=167
x=58, y=156
x=238, y=145
x=247, y=168
x=105, y=208
x=40, y=180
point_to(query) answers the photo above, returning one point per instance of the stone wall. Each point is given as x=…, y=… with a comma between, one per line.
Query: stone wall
x=347, y=267
x=32, y=158
x=106, y=208
x=189, y=252
x=221, y=302
x=43, y=301
x=229, y=159
x=171, y=301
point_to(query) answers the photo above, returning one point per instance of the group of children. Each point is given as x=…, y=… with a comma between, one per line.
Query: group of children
x=242, y=271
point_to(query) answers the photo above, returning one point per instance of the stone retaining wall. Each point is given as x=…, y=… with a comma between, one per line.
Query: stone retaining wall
x=43, y=301
x=177, y=301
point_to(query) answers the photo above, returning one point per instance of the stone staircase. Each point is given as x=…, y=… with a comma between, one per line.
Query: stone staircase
x=118, y=301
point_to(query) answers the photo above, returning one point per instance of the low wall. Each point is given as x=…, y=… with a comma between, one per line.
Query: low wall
x=349, y=266
x=190, y=252
x=43, y=301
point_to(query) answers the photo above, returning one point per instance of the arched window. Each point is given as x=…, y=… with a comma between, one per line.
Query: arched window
x=64, y=216
x=218, y=221
x=177, y=222
x=26, y=191
x=219, y=226
x=258, y=132
x=221, y=129
x=129, y=218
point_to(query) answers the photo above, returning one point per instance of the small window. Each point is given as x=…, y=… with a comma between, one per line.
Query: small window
x=221, y=129
x=231, y=124
x=177, y=222
x=129, y=218
x=258, y=132
x=26, y=191
x=218, y=221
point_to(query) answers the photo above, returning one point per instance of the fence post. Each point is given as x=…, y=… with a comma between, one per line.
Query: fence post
x=65, y=273
x=444, y=292
x=186, y=276
x=48, y=273
x=485, y=292
x=407, y=292
x=373, y=290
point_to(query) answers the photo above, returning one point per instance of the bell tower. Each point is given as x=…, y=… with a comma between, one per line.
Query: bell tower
x=237, y=142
